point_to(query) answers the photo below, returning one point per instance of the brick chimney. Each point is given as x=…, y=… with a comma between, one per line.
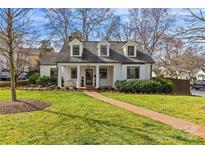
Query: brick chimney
x=75, y=35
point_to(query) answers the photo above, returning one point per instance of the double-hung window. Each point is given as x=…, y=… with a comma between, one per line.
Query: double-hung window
x=76, y=50
x=103, y=50
x=54, y=72
x=131, y=51
x=103, y=73
x=73, y=73
x=133, y=72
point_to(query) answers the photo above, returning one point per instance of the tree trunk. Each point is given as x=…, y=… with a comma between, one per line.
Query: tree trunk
x=12, y=75
x=11, y=54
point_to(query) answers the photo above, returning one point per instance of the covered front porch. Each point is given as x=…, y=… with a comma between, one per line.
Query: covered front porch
x=86, y=75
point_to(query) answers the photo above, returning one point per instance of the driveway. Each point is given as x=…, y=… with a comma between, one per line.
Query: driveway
x=200, y=92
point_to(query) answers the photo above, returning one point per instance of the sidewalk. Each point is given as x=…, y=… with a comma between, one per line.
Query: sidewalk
x=186, y=126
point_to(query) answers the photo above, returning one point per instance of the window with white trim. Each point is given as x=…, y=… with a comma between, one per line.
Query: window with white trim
x=103, y=73
x=73, y=73
x=133, y=72
x=130, y=50
x=103, y=50
x=76, y=50
x=53, y=72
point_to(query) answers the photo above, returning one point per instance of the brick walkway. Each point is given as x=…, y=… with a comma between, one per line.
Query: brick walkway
x=174, y=122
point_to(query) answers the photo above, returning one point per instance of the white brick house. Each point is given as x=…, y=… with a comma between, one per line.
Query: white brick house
x=97, y=64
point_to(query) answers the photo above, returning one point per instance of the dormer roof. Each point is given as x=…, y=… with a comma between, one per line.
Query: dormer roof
x=103, y=42
x=75, y=41
x=90, y=54
x=129, y=42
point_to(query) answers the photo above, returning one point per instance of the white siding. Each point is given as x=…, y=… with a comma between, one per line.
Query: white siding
x=45, y=70
x=124, y=72
x=117, y=72
x=147, y=71
x=199, y=75
x=108, y=81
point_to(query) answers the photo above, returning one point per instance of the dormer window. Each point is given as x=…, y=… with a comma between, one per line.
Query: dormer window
x=103, y=50
x=131, y=51
x=76, y=50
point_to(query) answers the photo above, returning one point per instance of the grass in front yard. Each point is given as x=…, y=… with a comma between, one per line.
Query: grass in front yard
x=185, y=107
x=75, y=118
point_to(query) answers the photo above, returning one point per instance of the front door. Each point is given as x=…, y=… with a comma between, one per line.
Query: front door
x=89, y=77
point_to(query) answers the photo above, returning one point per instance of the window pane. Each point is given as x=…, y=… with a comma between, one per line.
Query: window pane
x=103, y=73
x=133, y=72
x=137, y=73
x=128, y=72
x=76, y=50
x=73, y=73
x=130, y=50
x=103, y=50
x=53, y=72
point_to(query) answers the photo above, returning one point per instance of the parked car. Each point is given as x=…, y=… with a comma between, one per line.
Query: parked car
x=198, y=85
x=23, y=76
x=4, y=75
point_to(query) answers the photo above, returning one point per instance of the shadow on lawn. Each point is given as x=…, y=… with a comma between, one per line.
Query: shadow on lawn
x=135, y=132
x=145, y=134
x=96, y=124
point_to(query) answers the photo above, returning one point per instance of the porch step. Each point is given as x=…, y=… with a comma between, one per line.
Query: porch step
x=88, y=88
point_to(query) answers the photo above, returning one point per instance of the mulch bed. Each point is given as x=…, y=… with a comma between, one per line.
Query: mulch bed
x=9, y=107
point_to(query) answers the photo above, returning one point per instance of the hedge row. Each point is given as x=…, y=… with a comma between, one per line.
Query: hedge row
x=145, y=86
x=44, y=81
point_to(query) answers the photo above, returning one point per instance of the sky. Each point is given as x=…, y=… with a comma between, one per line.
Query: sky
x=40, y=21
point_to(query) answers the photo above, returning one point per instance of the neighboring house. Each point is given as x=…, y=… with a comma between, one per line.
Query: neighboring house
x=3, y=62
x=26, y=59
x=200, y=75
x=97, y=63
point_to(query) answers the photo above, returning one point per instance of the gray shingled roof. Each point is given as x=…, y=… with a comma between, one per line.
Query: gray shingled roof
x=48, y=58
x=90, y=55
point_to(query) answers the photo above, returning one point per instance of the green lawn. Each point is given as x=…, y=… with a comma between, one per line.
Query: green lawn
x=75, y=118
x=184, y=107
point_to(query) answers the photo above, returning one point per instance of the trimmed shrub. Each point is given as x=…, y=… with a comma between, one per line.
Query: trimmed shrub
x=145, y=86
x=150, y=86
x=46, y=81
x=167, y=85
x=33, y=78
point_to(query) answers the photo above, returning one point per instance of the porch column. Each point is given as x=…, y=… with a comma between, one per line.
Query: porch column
x=78, y=77
x=97, y=77
x=59, y=77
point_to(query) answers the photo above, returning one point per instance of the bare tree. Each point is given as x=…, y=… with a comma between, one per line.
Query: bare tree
x=15, y=33
x=190, y=61
x=90, y=20
x=194, y=28
x=127, y=31
x=45, y=47
x=59, y=23
x=171, y=57
x=150, y=25
x=110, y=30
x=177, y=58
